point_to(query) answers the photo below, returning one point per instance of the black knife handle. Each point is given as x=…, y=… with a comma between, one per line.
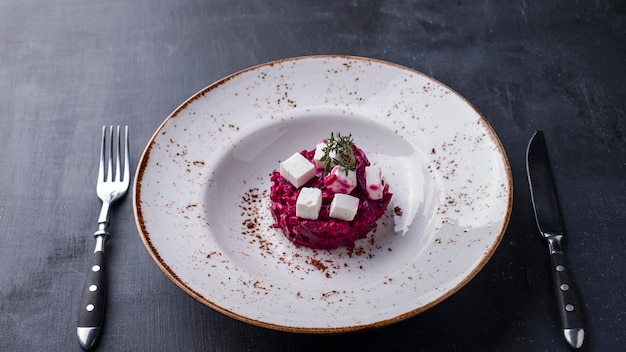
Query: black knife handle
x=91, y=311
x=570, y=306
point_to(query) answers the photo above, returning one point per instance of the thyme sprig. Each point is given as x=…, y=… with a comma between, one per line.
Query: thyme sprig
x=338, y=151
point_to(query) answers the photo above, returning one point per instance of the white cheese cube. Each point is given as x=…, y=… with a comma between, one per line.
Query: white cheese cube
x=344, y=207
x=309, y=203
x=338, y=182
x=297, y=169
x=319, y=154
x=374, y=182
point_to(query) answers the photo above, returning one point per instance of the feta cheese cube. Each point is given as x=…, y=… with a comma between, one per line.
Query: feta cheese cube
x=374, y=182
x=319, y=154
x=297, y=169
x=344, y=207
x=309, y=203
x=338, y=182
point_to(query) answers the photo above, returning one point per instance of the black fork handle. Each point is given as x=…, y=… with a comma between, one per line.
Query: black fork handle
x=91, y=311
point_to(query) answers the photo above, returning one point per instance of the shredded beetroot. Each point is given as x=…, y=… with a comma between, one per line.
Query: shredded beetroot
x=326, y=232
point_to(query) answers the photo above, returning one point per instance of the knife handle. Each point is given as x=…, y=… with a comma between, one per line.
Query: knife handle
x=91, y=311
x=569, y=303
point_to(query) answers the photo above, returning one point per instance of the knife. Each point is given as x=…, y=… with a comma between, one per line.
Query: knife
x=550, y=224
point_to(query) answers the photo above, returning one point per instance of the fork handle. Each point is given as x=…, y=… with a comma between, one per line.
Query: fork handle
x=91, y=312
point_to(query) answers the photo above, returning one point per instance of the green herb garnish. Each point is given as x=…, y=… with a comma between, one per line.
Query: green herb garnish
x=338, y=151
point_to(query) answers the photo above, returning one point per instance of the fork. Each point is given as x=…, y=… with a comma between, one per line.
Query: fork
x=111, y=186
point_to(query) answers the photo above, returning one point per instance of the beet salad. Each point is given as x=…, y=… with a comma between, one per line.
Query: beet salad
x=330, y=196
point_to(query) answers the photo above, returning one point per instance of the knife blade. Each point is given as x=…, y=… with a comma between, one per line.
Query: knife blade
x=550, y=225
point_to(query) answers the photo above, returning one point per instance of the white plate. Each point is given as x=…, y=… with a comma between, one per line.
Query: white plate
x=201, y=194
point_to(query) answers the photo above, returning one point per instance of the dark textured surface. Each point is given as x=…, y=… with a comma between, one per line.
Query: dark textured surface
x=67, y=67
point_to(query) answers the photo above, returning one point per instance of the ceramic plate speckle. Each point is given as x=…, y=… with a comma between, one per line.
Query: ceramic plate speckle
x=201, y=196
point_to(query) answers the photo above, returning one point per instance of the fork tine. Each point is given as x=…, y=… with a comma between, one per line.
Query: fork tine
x=118, y=171
x=102, y=156
x=126, y=178
x=110, y=159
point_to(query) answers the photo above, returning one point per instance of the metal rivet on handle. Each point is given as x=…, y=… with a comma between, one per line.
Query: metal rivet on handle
x=96, y=268
x=564, y=287
x=560, y=267
x=92, y=288
x=569, y=307
x=90, y=307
